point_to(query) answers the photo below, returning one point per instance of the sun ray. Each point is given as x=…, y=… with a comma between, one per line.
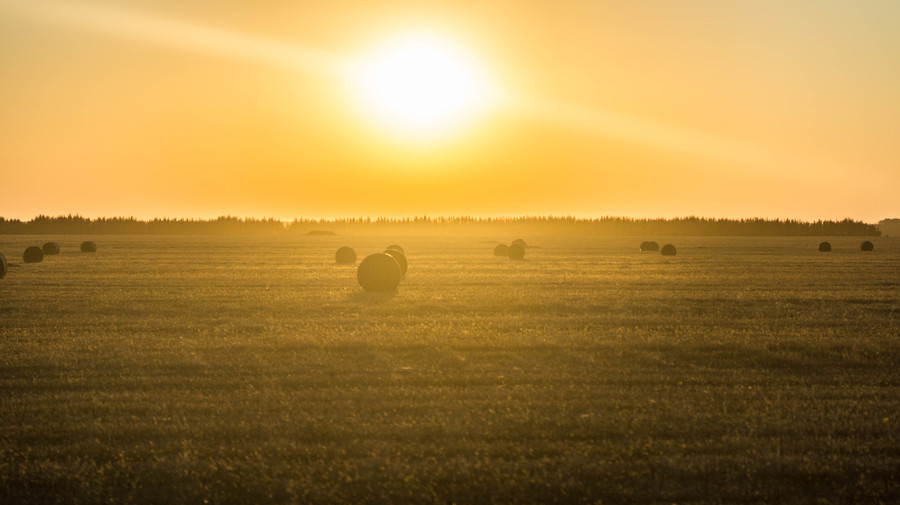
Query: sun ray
x=177, y=34
x=419, y=85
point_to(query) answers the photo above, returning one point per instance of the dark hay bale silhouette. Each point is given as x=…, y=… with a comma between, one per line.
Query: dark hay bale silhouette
x=3, y=267
x=400, y=258
x=50, y=248
x=33, y=254
x=649, y=245
x=88, y=246
x=345, y=256
x=501, y=250
x=867, y=246
x=516, y=252
x=378, y=272
x=395, y=247
x=520, y=242
x=668, y=250
x=825, y=247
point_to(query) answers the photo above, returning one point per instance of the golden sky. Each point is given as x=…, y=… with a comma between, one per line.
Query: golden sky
x=200, y=108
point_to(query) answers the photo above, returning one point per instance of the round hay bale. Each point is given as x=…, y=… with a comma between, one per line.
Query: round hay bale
x=88, y=246
x=516, y=252
x=33, y=254
x=668, y=250
x=520, y=242
x=649, y=245
x=400, y=258
x=3, y=267
x=345, y=256
x=395, y=247
x=867, y=246
x=378, y=272
x=501, y=250
x=50, y=248
x=825, y=247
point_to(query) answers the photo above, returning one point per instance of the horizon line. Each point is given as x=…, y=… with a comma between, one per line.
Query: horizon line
x=426, y=217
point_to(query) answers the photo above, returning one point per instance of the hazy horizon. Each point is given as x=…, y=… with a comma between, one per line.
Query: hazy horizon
x=435, y=217
x=194, y=109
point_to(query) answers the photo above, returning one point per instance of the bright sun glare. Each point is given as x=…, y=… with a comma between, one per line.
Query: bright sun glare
x=419, y=86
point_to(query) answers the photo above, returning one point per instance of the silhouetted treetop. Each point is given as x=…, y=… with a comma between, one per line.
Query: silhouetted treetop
x=533, y=225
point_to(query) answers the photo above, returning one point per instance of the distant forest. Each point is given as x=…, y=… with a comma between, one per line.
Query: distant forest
x=532, y=225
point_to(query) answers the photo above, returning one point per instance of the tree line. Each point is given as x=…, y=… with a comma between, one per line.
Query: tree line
x=534, y=225
x=889, y=227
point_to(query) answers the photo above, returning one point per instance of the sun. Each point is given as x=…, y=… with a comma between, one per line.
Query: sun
x=419, y=85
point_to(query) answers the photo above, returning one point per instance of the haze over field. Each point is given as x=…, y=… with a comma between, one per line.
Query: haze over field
x=399, y=108
x=241, y=369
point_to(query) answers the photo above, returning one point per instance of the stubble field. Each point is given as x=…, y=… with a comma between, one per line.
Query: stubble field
x=255, y=370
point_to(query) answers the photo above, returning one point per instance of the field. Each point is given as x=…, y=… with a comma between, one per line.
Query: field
x=255, y=370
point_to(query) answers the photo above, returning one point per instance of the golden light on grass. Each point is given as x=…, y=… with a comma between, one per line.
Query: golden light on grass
x=419, y=85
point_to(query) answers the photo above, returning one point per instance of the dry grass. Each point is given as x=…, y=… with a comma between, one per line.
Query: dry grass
x=740, y=371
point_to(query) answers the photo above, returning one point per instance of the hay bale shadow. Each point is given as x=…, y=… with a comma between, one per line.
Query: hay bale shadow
x=372, y=297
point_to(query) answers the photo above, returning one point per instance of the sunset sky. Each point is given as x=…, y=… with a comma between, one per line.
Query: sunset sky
x=201, y=108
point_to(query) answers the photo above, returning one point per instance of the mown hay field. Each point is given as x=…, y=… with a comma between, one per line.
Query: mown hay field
x=255, y=370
